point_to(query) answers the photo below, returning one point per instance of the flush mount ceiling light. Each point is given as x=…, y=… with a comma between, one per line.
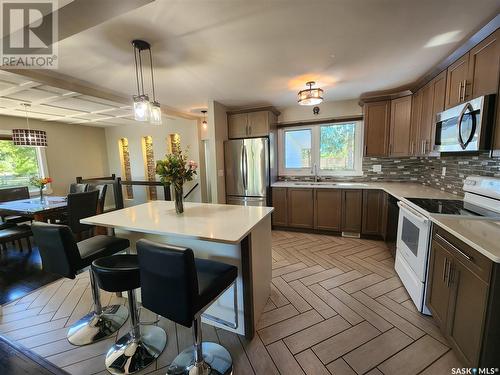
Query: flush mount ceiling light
x=204, y=122
x=310, y=96
x=29, y=137
x=144, y=110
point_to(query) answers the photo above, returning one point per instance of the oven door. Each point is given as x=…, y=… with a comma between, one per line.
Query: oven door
x=413, y=239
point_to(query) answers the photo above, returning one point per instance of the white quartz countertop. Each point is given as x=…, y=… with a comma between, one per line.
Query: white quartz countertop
x=212, y=222
x=482, y=235
x=399, y=190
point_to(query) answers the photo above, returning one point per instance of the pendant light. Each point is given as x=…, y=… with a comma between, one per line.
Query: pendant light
x=29, y=137
x=144, y=110
x=310, y=96
x=204, y=123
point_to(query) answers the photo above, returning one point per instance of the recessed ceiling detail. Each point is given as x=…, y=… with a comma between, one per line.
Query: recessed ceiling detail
x=54, y=104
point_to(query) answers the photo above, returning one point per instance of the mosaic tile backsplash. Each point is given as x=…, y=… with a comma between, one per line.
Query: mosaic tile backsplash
x=426, y=170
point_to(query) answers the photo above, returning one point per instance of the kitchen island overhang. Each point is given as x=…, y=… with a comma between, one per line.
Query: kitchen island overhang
x=236, y=235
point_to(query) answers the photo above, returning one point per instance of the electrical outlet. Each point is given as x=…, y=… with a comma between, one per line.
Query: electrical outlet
x=220, y=173
x=377, y=168
x=443, y=171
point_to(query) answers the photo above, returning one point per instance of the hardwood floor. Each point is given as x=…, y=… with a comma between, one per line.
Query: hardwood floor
x=336, y=307
x=21, y=273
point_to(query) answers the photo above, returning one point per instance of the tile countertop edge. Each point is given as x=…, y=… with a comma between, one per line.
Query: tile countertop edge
x=93, y=221
x=487, y=253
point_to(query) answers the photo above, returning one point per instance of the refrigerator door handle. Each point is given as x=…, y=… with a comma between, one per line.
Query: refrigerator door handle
x=245, y=168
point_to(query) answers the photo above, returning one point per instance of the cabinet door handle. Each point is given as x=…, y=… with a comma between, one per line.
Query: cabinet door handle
x=451, y=275
x=460, y=91
x=445, y=269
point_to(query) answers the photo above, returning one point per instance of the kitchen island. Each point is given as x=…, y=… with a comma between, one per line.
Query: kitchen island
x=236, y=235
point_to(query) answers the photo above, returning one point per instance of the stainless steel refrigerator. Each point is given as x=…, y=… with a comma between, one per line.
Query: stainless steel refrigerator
x=247, y=171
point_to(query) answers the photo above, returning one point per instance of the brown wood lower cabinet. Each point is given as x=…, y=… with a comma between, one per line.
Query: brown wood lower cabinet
x=328, y=209
x=352, y=204
x=280, y=216
x=374, y=211
x=333, y=210
x=300, y=208
x=463, y=291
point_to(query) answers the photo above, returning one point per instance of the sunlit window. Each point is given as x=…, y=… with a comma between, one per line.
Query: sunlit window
x=18, y=164
x=322, y=149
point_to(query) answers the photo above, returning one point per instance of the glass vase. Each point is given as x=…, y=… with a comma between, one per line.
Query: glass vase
x=41, y=194
x=179, y=198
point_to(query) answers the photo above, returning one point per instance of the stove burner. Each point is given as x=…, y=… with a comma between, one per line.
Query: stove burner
x=446, y=206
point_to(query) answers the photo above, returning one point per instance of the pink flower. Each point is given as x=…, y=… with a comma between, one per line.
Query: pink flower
x=192, y=165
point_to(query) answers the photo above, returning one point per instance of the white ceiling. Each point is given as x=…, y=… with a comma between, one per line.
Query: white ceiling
x=262, y=52
x=54, y=104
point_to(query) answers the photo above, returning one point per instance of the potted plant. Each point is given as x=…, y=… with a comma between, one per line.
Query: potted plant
x=40, y=183
x=174, y=170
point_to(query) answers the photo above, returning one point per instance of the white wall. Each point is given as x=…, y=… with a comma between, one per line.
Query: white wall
x=73, y=150
x=328, y=110
x=217, y=134
x=187, y=129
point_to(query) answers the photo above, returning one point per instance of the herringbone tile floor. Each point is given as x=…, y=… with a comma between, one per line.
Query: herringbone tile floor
x=336, y=307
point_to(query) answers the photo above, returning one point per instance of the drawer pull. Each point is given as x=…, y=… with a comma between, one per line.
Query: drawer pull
x=441, y=238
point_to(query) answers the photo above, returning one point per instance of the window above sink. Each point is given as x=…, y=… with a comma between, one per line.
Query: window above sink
x=328, y=149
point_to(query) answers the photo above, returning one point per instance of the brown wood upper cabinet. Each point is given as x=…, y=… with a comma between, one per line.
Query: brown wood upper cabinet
x=280, y=215
x=475, y=73
x=250, y=124
x=328, y=209
x=373, y=212
x=352, y=203
x=426, y=104
x=400, y=126
x=300, y=208
x=416, y=115
x=456, y=81
x=377, y=127
x=484, y=67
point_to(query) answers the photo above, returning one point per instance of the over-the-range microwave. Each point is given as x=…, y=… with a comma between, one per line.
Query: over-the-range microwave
x=466, y=127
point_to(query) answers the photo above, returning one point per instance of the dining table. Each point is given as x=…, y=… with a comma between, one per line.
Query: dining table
x=39, y=209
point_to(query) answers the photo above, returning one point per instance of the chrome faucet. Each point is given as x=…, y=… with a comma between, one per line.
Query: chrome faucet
x=315, y=170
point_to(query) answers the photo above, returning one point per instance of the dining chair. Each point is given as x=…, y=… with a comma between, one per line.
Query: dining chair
x=14, y=194
x=80, y=206
x=78, y=188
x=102, y=189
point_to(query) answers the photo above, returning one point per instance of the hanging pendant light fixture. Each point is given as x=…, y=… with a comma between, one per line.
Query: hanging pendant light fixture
x=29, y=137
x=204, y=123
x=310, y=96
x=144, y=110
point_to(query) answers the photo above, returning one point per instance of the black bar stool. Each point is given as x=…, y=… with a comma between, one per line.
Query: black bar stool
x=179, y=287
x=142, y=344
x=62, y=255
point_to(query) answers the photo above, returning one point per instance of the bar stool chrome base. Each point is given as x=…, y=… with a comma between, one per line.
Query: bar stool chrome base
x=94, y=327
x=217, y=361
x=131, y=354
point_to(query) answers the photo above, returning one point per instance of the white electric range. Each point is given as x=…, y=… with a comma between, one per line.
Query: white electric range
x=481, y=201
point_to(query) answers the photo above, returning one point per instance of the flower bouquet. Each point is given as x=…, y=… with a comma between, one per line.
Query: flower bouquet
x=40, y=183
x=174, y=170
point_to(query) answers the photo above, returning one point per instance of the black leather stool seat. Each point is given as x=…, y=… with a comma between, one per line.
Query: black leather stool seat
x=171, y=273
x=100, y=246
x=117, y=273
x=213, y=278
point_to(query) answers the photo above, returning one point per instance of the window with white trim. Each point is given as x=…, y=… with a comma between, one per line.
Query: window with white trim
x=18, y=164
x=327, y=149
